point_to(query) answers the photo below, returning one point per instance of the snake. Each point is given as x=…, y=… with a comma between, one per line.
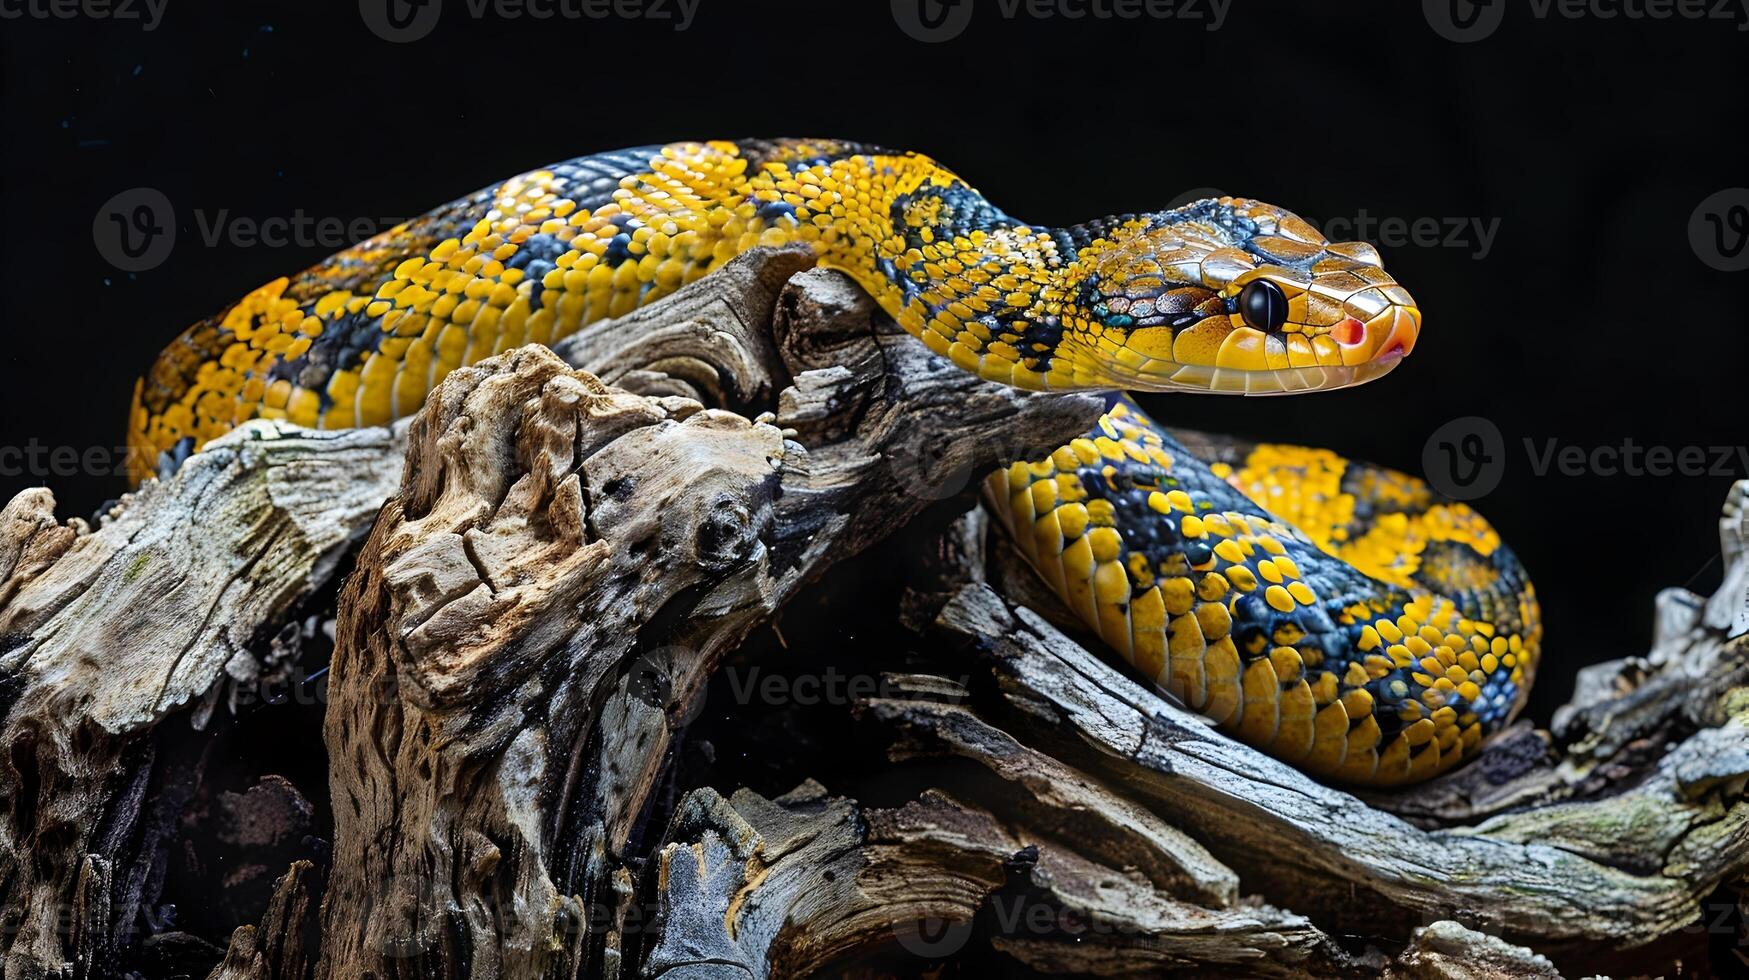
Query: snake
x=1340, y=616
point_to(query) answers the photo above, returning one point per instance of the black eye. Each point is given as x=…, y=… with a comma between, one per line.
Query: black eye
x=1263, y=306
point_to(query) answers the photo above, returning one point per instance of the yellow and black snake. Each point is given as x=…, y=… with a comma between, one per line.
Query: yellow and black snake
x=1332, y=613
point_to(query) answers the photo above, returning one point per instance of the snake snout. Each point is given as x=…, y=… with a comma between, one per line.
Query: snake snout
x=1378, y=328
x=1399, y=328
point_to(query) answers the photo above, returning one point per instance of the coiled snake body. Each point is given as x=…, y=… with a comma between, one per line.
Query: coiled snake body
x=1332, y=613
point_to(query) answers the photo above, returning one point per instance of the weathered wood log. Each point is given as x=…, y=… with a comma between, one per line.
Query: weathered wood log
x=546, y=594
x=106, y=633
x=1316, y=846
x=541, y=572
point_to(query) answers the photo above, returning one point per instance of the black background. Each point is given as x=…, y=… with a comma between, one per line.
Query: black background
x=1591, y=140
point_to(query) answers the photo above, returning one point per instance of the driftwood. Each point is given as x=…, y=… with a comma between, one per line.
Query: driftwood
x=480, y=695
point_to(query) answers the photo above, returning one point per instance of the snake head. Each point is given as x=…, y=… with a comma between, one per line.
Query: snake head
x=1233, y=295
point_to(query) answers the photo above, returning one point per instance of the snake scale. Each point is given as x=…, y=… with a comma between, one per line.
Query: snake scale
x=1335, y=614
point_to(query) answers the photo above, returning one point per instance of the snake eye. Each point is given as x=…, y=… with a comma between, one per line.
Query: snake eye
x=1263, y=305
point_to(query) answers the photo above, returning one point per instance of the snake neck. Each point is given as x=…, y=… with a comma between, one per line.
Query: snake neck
x=1010, y=301
x=1027, y=305
x=955, y=271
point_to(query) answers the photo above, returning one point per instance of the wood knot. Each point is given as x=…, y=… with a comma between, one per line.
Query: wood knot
x=725, y=536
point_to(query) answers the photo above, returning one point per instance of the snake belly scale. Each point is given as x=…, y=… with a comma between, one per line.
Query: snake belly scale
x=1334, y=614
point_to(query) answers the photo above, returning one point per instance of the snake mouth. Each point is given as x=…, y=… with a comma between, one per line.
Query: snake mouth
x=1162, y=377
x=1355, y=353
x=1324, y=346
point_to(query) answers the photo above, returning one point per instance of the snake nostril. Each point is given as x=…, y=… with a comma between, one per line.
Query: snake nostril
x=1349, y=332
